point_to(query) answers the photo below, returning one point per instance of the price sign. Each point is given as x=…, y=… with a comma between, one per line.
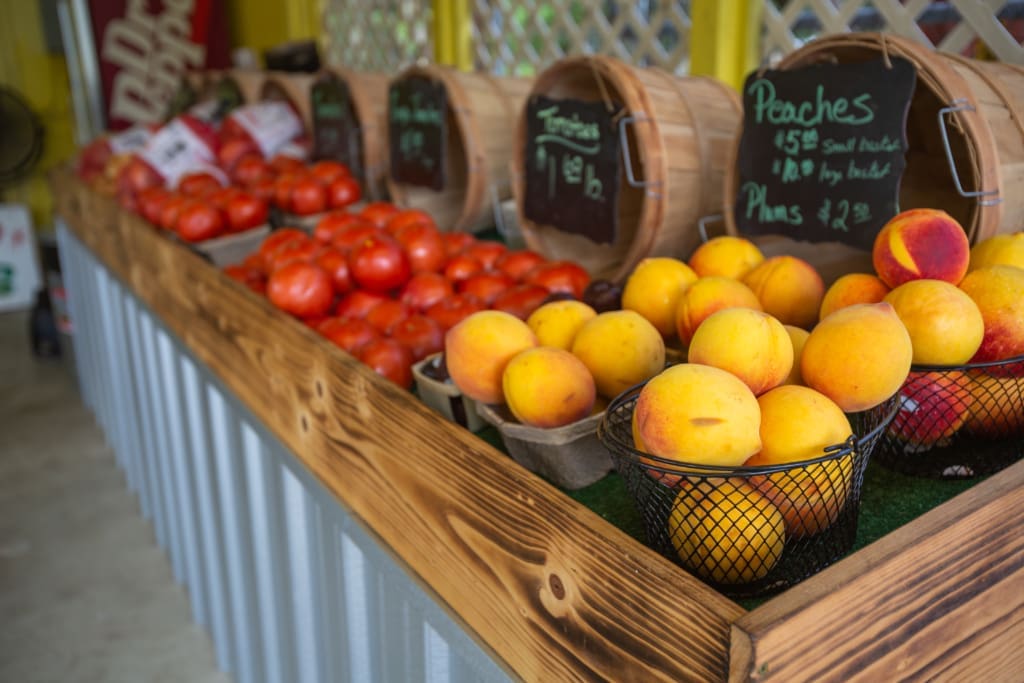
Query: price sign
x=573, y=166
x=336, y=132
x=823, y=150
x=418, y=131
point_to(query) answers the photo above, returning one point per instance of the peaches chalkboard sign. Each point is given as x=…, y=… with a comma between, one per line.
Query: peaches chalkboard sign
x=335, y=127
x=418, y=131
x=823, y=150
x=573, y=166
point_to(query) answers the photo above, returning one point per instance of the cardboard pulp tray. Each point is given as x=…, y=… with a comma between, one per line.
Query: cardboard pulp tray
x=445, y=397
x=230, y=249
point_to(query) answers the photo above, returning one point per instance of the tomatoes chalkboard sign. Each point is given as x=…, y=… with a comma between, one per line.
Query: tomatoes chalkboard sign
x=418, y=131
x=823, y=150
x=336, y=134
x=573, y=166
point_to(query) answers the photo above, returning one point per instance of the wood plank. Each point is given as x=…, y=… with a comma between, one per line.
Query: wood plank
x=940, y=598
x=548, y=587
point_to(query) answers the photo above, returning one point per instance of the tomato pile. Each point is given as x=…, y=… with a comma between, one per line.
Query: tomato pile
x=385, y=284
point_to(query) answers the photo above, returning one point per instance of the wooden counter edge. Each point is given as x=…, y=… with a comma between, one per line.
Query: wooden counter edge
x=555, y=593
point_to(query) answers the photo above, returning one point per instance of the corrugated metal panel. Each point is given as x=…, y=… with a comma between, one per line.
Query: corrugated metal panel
x=288, y=583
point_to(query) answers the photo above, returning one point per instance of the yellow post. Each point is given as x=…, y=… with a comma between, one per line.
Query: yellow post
x=443, y=43
x=453, y=33
x=724, y=39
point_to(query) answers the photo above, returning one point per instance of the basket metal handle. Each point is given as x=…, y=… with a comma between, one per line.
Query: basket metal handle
x=626, y=157
x=702, y=225
x=958, y=105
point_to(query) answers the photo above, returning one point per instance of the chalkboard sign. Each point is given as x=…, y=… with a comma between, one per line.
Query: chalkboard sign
x=823, y=150
x=573, y=166
x=336, y=134
x=228, y=95
x=418, y=131
x=184, y=97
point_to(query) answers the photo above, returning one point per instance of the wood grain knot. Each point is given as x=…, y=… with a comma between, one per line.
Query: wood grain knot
x=304, y=421
x=319, y=387
x=557, y=589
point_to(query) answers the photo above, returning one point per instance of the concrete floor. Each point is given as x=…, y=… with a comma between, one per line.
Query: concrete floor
x=85, y=593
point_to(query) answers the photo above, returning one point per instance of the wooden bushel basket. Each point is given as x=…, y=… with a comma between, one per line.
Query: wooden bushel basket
x=679, y=146
x=481, y=112
x=250, y=83
x=368, y=92
x=981, y=105
x=292, y=88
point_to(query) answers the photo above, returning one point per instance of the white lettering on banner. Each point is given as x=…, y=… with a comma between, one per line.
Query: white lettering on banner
x=175, y=151
x=269, y=124
x=153, y=53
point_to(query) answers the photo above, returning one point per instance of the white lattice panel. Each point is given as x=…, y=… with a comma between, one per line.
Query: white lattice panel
x=376, y=35
x=521, y=37
x=969, y=27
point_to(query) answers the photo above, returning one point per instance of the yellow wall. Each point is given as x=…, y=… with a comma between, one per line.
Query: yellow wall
x=261, y=24
x=42, y=79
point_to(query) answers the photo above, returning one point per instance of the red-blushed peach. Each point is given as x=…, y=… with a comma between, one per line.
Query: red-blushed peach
x=726, y=255
x=997, y=405
x=933, y=406
x=477, y=349
x=850, y=289
x=944, y=324
x=709, y=295
x=999, y=293
x=921, y=243
x=789, y=288
x=548, y=387
x=750, y=344
x=859, y=356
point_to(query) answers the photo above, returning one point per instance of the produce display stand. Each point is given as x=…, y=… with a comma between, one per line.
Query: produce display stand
x=522, y=581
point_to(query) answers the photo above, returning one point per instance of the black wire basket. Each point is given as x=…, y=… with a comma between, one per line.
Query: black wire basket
x=747, y=531
x=957, y=422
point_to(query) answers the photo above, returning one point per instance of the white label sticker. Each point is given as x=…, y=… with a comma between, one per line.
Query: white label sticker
x=131, y=140
x=269, y=124
x=176, y=150
x=19, y=269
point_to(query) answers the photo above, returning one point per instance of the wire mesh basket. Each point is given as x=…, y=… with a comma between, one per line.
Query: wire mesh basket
x=746, y=531
x=957, y=422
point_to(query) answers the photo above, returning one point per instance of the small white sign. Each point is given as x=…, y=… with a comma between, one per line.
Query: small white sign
x=19, y=265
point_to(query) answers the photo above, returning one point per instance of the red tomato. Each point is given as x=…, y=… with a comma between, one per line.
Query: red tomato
x=485, y=252
x=198, y=184
x=316, y=322
x=301, y=289
x=348, y=333
x=407, y=217
x=136, y=176
x=354, y=233
x=521, y=300
x=279, y=238
x=455, y=242
x=292, y=252
x=308, y=197
x=221, y=196
x=282, y=163
x=283, y=191
x=460, y=267
x=358, y=303
x=423, y=290
x=246, y=211
x=335, y=262
x=486, y=285
x=423, y=245
x=379, y=264
x=233, y=150
x=344, y=191
x=262, y=188
x=420, y=334
x=241, y=273
x=251, y=169
x=333, y=222
x=198, y=222
x=389, y=359
x=171, y=209
x=255, y=263
x=151, y=201
x=379, y=213
x=518, y=263
x=560, y=276
x=387, y=314
x=449, y=312
x=328, y=170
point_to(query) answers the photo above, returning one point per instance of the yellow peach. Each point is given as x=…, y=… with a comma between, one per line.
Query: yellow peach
x=706, y=296
x=477, y=349
x=548, y=387
x=789, y=289
x=850, y=289
x=653, y=290
x=726, y=255
x=750, y=344
x=620, y=348
x=945, y=325
x=557, y=322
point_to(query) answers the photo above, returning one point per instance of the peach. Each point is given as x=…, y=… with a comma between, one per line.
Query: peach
x=945, y=325
x=999, y=250
x=620, y=348
x=547, y=387
x=997, y=405
x=933, y=406
x=750, y=344
x=727, y=255
x=698, y=414
x=850, y=289
x=788, y=288
x=477, y=349
x=729, y=534
x=557, y=322
x=706, y=296
x=999, y=293
x=653, y=290
x=811, y=497
x=859, y=356
x=798, y=337
x=921, y=243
